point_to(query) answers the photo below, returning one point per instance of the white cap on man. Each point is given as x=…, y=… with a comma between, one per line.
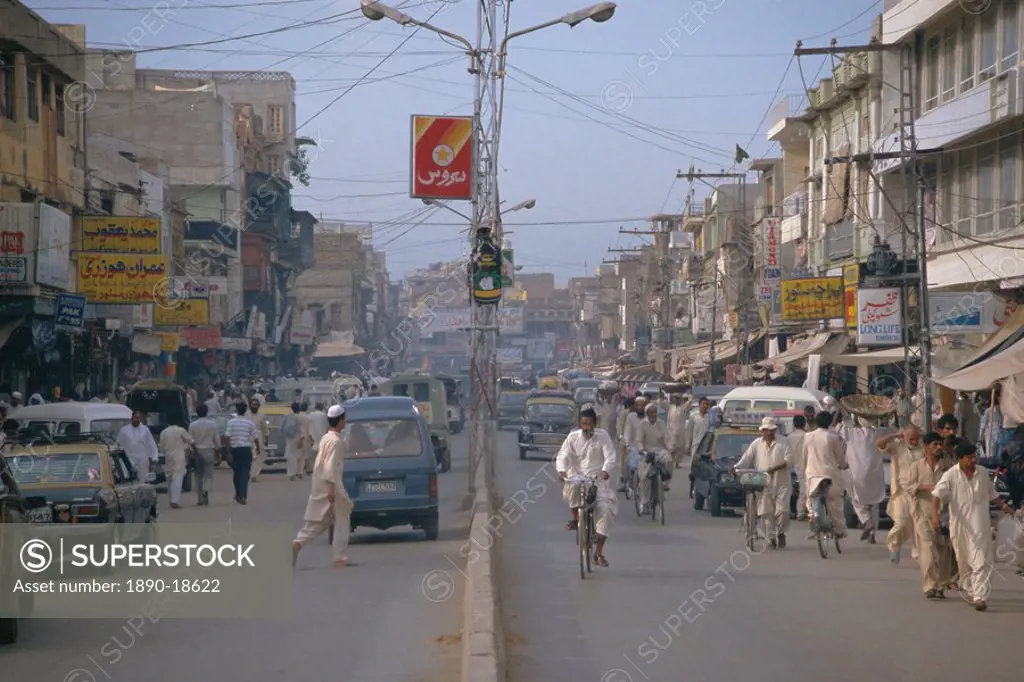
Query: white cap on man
x=335, y=411
x=769, y=424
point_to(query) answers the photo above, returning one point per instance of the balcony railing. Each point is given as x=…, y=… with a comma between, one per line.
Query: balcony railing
x=793, y=106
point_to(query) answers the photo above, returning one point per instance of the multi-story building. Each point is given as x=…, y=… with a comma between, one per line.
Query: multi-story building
x=586, y=297
x=610, y=293
x=42, y=184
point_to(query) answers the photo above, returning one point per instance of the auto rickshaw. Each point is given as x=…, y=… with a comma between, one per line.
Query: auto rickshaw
x=453, y=398
x=550, y=417
x=549, y=384
x=274, y=415
x=429, y=394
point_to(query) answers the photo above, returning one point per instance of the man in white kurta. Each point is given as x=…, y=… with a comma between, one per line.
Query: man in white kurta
x=795, y=441
x=651, y=435
x=698, y=426
x=259, y=452
x=137, y=442
x=904, y=448
x=771, y=455
x=825, y=455
x=296, y=446
x=175, y=442
x=630, y=434
x=329, y=503
x=867, y=475
x=967, y=489
x=317, y=430
x=589, y=451
x=676, y=423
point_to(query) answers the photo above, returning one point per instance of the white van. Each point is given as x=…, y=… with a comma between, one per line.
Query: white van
x=74, y=417
x=767, y=399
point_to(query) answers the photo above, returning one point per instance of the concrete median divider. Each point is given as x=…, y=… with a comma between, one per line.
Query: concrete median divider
x=483, y=645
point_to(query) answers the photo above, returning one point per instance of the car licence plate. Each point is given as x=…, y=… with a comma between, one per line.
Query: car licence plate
x=40, y=515
x=377, y=487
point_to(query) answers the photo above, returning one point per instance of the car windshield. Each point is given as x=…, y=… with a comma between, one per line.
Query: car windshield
x=50, y=469
x=512, y=399
x=111, y=427
x=731, y=445
x=586, y=395
x=383, y=438
x=549, y=411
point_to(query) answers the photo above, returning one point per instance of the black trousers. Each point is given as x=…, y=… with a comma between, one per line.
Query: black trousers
x=241, y=466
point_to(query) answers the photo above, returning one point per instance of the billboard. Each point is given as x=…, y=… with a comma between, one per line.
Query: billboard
x=121, y=277
x=815, y=298
x=193, y=312
x=113, y=234
x=966, y=312
x=442, y=157
x=17, y=243
x=459, y=319
x=879, y=317
x=53, y=252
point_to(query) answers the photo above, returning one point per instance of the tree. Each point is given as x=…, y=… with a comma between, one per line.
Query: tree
x=300, y=167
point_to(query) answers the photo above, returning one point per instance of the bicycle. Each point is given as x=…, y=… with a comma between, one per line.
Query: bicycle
x=657, y=488
x=586, y=530
x=753, y=482
x=822, y=525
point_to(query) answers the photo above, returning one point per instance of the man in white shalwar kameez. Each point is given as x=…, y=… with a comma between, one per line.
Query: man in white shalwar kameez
x=904, y=448
x=296, y=446
x=175, y=442
x=650, y=435
x=825, y=455
x=317, y=429
x=329, y=503
x=137, y=442
x=795, y=441
x=867, y=475
x=676, y=423
x=588, y=451
x=967, y=489
x=259, y=452
x=771, y=455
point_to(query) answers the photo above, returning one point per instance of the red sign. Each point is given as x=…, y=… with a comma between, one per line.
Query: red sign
x=201, y=337
x=442, y=157
x=12, y=243
x=771, y=247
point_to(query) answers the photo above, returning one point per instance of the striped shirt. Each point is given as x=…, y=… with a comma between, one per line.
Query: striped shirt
x=241, y=432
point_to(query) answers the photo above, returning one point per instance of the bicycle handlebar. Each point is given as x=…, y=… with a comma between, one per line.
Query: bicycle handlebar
x=750, y=471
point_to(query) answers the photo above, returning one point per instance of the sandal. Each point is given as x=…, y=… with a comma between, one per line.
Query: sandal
x=600, y=560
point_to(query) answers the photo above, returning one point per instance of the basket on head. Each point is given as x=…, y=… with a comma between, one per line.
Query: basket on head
x=675, y=388
x=868, y=406
x=608, y=387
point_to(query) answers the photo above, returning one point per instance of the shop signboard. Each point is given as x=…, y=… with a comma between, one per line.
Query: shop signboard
x=510, y=356
x=879, y=317
x=816, y=298
x=121, y=234
x=121, y=277
x=442, y=157
x=201, y=337
x=69, y=314
x=965, y=312
x=184, y=313
x=17, y=243
x=772, y=246
x=53, y=248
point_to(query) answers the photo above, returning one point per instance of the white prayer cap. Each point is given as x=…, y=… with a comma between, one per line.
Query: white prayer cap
x=769, y=424
x=335, y=412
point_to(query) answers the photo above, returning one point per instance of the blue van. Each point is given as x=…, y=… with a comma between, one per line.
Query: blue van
x=390, y=470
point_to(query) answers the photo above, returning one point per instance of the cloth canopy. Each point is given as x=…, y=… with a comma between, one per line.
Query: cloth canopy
x=337, y=349
x=1000, y=362
x=698, y=355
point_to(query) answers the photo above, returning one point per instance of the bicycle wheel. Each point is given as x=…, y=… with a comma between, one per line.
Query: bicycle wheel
x=583, y=539
x=823, y=543
x=839, y=550
x=751, y=513
x=656, y=491
x=661, y=505
x=636, y=494
x=591, y=541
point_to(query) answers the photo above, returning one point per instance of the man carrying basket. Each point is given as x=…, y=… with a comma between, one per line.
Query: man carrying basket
x=772, y=456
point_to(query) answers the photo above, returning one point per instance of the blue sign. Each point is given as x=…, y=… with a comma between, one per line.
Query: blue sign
x=70, y=312
x=773, y=274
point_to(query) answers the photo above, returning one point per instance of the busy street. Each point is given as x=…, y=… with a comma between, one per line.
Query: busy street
x=377, y=616
x=688, y=599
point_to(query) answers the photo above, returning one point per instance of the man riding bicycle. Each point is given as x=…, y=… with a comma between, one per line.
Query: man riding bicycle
x=825, y=457
x=589, y=451
x=650, y=435
x=771, y=455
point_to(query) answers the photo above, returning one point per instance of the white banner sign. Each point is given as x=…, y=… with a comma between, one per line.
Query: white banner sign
x=440, y=321
x=218, y=286
x=142, y=316
x=510, y=356
x=237, y=344
x=301, y=336
x=879, y=317
x=967, y=312
x=187, y=288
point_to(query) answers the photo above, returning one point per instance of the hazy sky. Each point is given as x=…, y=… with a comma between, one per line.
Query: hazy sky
x=597, y=118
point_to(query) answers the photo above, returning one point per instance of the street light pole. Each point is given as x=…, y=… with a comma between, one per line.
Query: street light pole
x=487, y=64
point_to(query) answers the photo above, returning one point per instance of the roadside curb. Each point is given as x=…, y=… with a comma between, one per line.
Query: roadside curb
x=483, y=654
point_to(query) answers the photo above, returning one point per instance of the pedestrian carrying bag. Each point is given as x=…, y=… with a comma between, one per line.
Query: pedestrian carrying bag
x=290, y=428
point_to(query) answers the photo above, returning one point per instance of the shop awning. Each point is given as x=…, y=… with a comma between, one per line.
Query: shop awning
x=822, y=343
x=699, y=355
x=337, y=349
x=1010, y=326
x=871, y=358
x=1002, y=362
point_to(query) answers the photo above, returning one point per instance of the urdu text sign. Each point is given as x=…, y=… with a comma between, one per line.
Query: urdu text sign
x=442, y=157
x=121, y=277
x=819, y=298
x=190, y=312
x=111, y=234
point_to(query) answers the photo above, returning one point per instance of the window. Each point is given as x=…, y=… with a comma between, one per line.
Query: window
x=46, y=84
x=32, y=92
x=53, y=469
x=1009, y=150
x=986, y=192
x=944, y=210
x=931, y=73
x=7, y=85
x=275, y=114
x=989, y=46
x=379, y=438
x=1011, y=36
x=949, y=65
x=273, y=164
x=107, y=201
x=967, y=55
x=59, y=106
x=421, y=392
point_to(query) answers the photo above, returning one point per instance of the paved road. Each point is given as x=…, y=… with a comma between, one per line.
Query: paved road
x=684, y=601
x=369, y=622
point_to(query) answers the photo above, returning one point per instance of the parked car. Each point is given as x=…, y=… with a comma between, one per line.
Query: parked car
x=390, y=469
x=429, y=394
x=70, y=418
x=274, y=415
x=585, y=395
x=550, y=417
x=761, y=399
x=164, y=403
x=712, y=483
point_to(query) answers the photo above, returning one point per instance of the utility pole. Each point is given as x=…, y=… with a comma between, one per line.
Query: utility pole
x=664, y=225
x=744, y=242
x=913, y=240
